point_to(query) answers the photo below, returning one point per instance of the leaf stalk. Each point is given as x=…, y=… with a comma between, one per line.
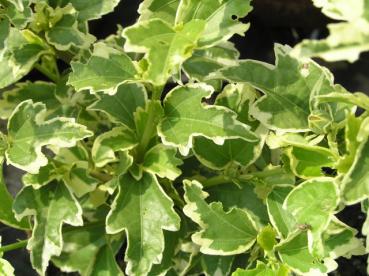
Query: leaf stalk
x=13, y=246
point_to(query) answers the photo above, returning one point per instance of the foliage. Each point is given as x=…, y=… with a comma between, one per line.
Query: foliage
x=239, y=168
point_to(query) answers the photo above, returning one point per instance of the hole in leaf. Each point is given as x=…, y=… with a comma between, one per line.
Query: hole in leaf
x=329, y=171
x=234, y=17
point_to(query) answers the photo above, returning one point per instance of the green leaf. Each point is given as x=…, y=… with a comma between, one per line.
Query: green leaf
x=44, y=176
x=295, y=254
x=221, y=17
x=172, y=240
x=159, y=41
x=281, y=219
x=160, y=9
x=222, y=233
x=79, y=180
x=204, y=62
x=346, y=40
x=162, y=161
x=21, y=51
x=216, y=265
x=121, y=106
x=340, y=240
x=28, y=132
x=355, y=182
x=261, y=269
x=65, y=34
x=143, y=120
x=6, y=214
x=89, y=251
x=93, y=9
x=288, y=88
x=307, y=162
x=143, y=210
x=38, y=91
x=105, y=145
x=358, y=99
x=5, y=267
x=17, y=12
x=186, y=117
x=313, y=203
x=352, y=129
x=238, y=151
x=105, y=70
x=266, y=238
x=52, y=206
x=242, y=196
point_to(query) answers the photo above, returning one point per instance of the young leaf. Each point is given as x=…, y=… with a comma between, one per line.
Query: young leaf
x=89, y=251
x=121, y=106
x=159, y=41
x=288, y=87
x=221, y=17
x=313, y=203
x=105, y=70
x=162, y=160
x=266, y=238
x=222, y=233
x=52, y=206
x=105, y=145
x=143, y=210
x=186, y=117
x=28, y=132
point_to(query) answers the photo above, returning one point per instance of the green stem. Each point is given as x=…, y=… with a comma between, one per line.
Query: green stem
x=150, y=125
x=46, y=72
x=101, y=176
x=13, y=246
x=261, y=174
x=214, y=181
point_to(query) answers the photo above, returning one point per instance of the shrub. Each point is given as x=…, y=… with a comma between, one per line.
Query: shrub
x=159, y=142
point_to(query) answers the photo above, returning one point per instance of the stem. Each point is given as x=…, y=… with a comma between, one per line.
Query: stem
x=333, y=145
x=214, y=181
x=13, y=246
x=46, y=72
x=101, y=176
x=150, y=125
x=261, y=174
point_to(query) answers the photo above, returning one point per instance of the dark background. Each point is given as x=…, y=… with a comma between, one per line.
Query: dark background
x=272, y=21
